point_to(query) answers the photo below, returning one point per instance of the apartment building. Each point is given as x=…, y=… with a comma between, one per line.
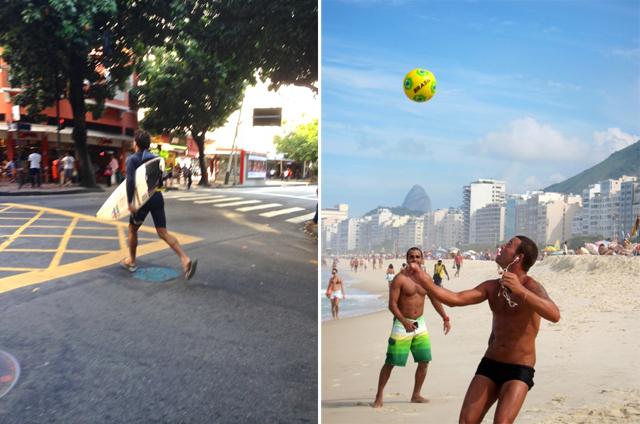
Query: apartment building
x=477, y=195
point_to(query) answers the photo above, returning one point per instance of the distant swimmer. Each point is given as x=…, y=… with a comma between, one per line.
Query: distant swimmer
x=335, y=290
x=517, y=301
x=409, y=330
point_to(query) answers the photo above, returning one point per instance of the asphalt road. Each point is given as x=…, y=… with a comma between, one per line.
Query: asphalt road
x=237, y=343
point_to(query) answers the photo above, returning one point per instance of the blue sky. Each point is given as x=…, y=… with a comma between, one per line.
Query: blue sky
x=529, y=92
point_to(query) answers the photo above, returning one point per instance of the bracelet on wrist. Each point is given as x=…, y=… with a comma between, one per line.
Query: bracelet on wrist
x=446, y=319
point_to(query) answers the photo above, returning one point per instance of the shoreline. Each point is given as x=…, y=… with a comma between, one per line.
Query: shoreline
x=587, y=364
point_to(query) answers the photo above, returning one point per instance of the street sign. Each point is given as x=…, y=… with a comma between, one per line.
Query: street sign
x=14, y=126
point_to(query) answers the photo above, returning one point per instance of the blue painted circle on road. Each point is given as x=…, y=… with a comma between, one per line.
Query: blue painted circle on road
x=155, y=275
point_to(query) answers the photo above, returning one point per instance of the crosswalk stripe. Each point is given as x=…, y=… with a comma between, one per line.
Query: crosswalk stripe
x=186, y=199
x=255, y=208
x=224, y=199
x=281, y=212
x=180, y=195
x=302, y=218
x=242, y=202
x=209, y=199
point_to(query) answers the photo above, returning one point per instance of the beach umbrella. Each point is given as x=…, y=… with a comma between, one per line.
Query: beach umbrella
x=549, y=249
x=473, y=252
x=453, y=248
x=440, y=249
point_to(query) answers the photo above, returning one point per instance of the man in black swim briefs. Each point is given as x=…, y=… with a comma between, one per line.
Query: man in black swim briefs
x=155, y=206
x=517, y=302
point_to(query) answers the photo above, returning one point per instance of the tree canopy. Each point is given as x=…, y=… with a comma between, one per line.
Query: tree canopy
x=190, y=92
x=300, y=144
x=86, y=50
x=80, y=51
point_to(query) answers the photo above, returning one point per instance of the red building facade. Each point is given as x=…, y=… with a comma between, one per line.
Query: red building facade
x=112, y=134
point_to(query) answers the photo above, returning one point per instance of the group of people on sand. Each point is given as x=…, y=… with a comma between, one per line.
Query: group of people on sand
x=517, y=301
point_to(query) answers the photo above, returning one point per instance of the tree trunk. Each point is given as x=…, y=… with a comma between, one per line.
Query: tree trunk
x=79, y=134
x=198, y=137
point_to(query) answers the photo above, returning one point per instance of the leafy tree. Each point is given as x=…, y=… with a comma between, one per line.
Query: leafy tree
x=300, y=144
x=194, y=86
x=279, y=39
x=79, y=50
x=188, y=91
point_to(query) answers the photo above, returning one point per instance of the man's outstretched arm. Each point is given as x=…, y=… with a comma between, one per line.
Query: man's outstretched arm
x=449, y=298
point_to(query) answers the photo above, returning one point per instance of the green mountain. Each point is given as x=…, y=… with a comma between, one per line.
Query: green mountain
x=622, y=162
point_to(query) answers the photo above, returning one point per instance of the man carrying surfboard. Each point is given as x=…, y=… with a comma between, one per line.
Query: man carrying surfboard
x=155, y=206
x=517, y=301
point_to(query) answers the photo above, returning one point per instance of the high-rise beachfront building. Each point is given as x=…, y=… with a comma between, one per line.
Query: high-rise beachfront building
x=448, y=230
x=411, y=233
x=379, y=221
x=488, y=224
x=430, y=232
x=608, y=207
x=330, y=219
x=547, y=217
x=353, y=235
x=477, y=195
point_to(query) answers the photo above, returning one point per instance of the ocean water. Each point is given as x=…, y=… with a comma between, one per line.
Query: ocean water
x=357, y=302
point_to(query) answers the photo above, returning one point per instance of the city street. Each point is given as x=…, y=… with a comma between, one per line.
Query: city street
x=236, y=343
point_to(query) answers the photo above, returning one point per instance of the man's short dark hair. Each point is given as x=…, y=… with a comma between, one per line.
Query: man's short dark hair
x=142, y=139
x=414, y=248
x=530, y=251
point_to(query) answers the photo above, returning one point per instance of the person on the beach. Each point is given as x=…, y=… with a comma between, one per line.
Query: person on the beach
x=335, y=290
x=517, y=301
x=155, y=206
x=458, y=263
x=391, y=273
x=438, y=269
x=409, y=331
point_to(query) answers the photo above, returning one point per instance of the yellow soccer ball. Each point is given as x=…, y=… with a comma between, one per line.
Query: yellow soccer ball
x=420, y=85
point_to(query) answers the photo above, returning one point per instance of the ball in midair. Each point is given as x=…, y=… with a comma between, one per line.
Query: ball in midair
x=419, y=85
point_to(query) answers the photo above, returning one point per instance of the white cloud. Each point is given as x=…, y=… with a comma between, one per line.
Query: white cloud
x=614, y=139
x=526, y=140
x=633, y=53
x=555, y=178
x=564, y=85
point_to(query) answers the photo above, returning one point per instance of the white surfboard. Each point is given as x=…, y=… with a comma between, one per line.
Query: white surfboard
x=148, y=178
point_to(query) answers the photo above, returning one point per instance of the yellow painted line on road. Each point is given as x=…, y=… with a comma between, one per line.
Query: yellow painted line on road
x=63, y=243
x=20, y=230
x=122, y=238
x=103, y=258
x=20, y=269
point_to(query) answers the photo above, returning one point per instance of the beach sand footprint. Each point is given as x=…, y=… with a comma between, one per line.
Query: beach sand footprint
x=560, y=400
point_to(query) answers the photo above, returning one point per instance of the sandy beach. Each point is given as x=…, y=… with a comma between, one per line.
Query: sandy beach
x=588, y=364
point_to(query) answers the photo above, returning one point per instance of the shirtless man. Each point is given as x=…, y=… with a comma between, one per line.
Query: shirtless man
x=517, y=301
x=409, y=331
x=335, y=290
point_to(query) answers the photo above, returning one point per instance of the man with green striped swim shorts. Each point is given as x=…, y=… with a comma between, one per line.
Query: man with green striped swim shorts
x=402, y=342
x=409, y=332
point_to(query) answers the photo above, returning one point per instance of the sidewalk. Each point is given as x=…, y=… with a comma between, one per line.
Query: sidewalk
x=11, y=189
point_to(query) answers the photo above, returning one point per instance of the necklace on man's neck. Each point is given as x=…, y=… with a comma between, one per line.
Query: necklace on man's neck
x=505, y=290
